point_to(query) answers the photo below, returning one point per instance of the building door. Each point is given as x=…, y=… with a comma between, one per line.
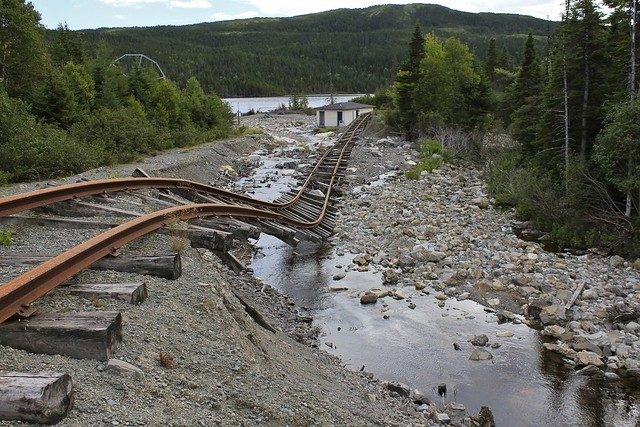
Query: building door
x=357, y=113
x=339, y=118
x=321, y=118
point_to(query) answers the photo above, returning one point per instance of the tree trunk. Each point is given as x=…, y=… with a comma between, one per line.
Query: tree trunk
x=632, y=94
x=585, y=106
x=566, y=99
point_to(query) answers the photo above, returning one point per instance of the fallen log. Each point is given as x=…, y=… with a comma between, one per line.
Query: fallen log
x=43, y=398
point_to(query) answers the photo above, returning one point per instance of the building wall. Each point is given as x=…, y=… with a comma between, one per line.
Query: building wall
x=331, y=117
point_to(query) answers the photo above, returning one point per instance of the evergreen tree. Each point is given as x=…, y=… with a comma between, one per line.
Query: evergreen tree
x=66, y=47
x=23, y=61
x=524, y=99
x=492, y=60
x=406, y=80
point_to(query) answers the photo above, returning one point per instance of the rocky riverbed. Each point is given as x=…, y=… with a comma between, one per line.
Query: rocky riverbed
x=440, y=235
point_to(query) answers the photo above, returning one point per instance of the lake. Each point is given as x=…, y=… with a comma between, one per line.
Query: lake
x=264, y=104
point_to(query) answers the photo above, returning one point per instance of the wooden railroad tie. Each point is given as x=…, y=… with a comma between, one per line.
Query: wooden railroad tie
x=165, y=266
x=89, y=335
x=133, y=293
x=43, y=398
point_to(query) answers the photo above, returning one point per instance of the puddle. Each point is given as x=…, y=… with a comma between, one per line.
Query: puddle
x=523, y=384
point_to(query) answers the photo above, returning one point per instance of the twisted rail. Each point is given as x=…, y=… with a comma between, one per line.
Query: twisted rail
x=23, y=290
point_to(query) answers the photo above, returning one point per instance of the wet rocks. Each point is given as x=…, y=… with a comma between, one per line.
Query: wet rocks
x=588, y=358
x=399, y=388
x=390, y=277
x=480, y=354
x=368, y=298
x=479, y=340
x=339, y=276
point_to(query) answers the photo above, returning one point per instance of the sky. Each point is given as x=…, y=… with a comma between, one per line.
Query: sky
x=80, y=14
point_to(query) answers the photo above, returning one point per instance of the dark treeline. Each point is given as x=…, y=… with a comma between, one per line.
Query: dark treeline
x=571, y=108
x=64, y=111
x=346, y=50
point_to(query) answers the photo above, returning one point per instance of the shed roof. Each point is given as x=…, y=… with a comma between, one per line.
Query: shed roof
x=344, y=106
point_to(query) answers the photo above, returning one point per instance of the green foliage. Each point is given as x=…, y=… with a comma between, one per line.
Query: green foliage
x=427, y=164
x=6, y=236
x=451, y=90
x=76, y=114
x=618, y=147
x=22, y=51
x=433, y=156
x=31, y=150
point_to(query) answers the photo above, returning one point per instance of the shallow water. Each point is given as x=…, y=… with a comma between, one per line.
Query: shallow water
x=264, y=104
x=524, y=384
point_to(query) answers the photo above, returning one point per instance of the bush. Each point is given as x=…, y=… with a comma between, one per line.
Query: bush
x=123, y=134
x=6, y=237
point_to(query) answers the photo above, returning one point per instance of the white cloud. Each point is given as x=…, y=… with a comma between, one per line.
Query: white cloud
x=539, y=8
x=222, y=16
x=191, y=4
x=124, y=3
x=120, y=17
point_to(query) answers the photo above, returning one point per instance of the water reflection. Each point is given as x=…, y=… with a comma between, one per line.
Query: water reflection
x=524, y=384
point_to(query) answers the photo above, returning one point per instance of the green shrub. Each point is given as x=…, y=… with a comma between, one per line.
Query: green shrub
x=6, y=237
x=427, y=164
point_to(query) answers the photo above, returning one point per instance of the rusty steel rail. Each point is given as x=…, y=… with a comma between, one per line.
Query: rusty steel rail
x=24, y=201
x=23, y=290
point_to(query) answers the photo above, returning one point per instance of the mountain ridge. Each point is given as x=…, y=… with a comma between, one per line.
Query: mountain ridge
x=347, y=50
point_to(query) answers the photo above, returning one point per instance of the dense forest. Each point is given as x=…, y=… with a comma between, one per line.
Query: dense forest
x=63, y=111
x=346, y=50
x=572, y=165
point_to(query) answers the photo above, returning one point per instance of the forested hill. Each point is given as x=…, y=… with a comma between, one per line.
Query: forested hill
x=359, y=48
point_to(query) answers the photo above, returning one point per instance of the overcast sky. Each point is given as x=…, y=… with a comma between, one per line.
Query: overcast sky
x=80, y=14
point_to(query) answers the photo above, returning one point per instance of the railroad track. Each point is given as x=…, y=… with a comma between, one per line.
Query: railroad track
x=305, y=212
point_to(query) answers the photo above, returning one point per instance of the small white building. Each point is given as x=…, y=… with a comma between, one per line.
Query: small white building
x=340, y=114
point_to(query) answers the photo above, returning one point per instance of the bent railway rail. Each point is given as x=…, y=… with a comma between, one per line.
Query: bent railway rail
x=297, y=209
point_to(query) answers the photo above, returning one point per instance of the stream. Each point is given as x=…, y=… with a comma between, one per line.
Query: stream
x=529, y=386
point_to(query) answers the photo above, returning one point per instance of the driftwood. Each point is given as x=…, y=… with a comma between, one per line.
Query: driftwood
x=166, y=266
x=43, y=398
x=133, y=293
x=575, y=296
x=231, y=261
x=90, y=335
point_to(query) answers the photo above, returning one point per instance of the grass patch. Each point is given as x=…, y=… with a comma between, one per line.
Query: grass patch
x=433, y=156
x=6, y=237
x=247, y=131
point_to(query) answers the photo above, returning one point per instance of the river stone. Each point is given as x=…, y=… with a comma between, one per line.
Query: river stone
x=504, y=334
x=479, y=340
x=463, y=296
x=121, y=367
x=389, y=277
x=552, y=314
x=493, y=302
x=339, y=276
x=553, y=331
x=616, y=261
x=480, y=354
x=588, y=358
x=368, y=298
x=398, y=387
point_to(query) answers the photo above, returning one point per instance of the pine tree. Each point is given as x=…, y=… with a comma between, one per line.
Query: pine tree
x=492, y=60
x=525, y=98
x=23, y=62
x=406, y=79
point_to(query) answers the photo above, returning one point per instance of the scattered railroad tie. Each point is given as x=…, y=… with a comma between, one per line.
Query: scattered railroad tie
x=297, y=214
x=89, y=335
x=166, y=266
x=43, y=398
x=133, y=293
